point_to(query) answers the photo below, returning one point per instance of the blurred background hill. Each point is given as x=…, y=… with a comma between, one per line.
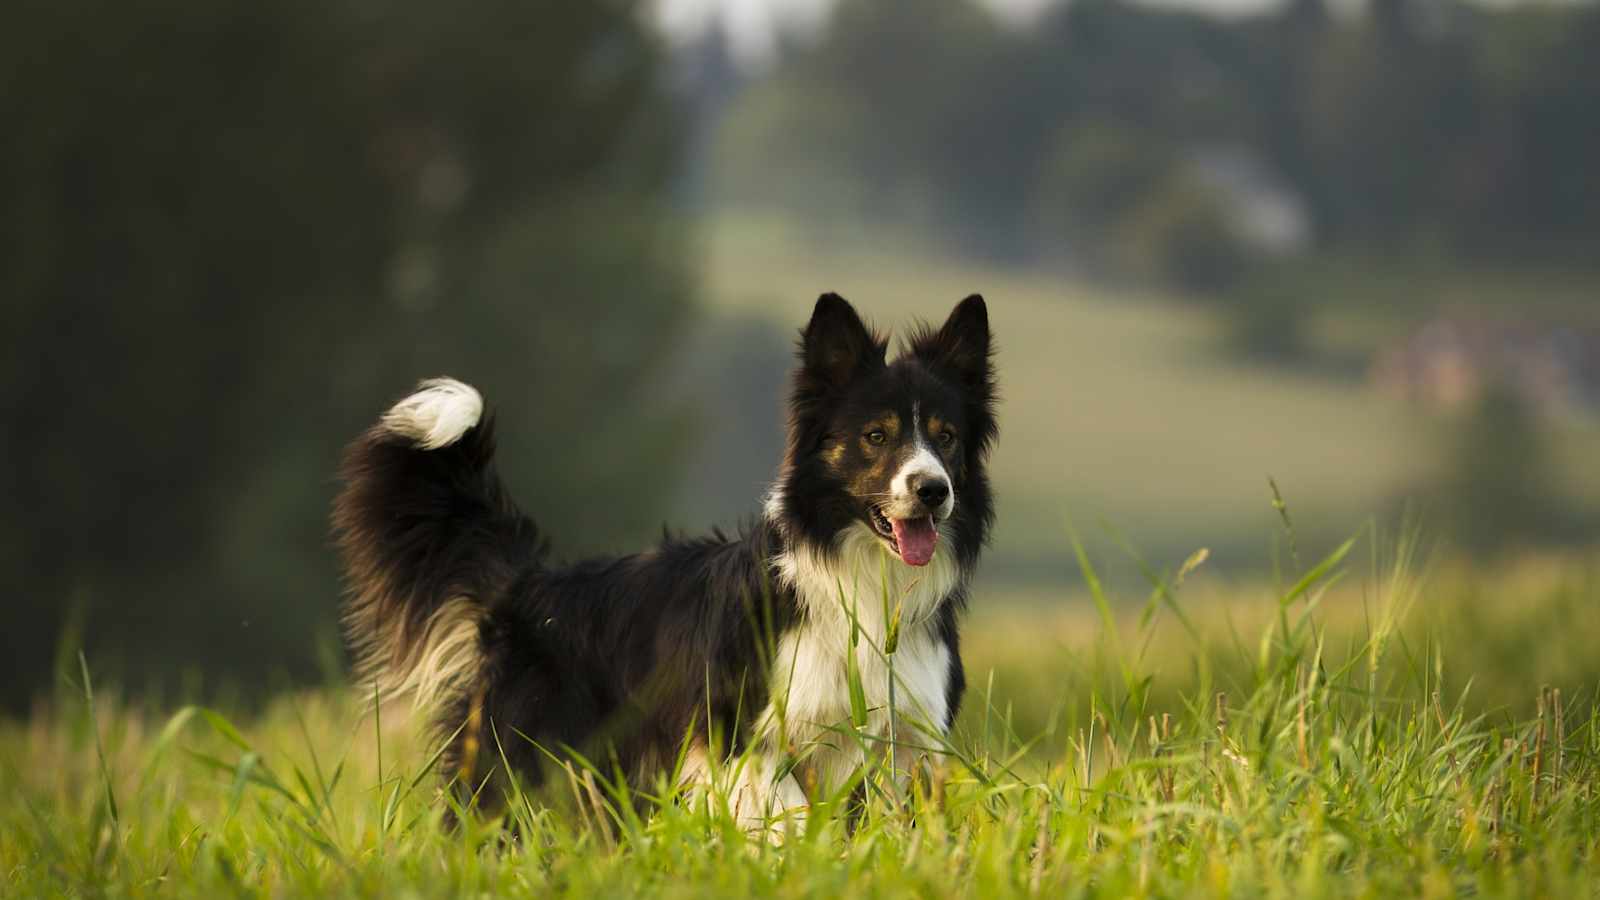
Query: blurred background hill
x=1348, y=246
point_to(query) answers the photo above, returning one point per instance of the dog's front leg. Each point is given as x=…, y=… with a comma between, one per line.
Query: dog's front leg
x=764, y=802
x=767, y=803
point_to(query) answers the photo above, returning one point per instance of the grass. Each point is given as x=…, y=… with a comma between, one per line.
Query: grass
x=1361, y=727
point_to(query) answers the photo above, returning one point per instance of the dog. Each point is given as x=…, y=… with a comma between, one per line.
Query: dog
x=756, y=661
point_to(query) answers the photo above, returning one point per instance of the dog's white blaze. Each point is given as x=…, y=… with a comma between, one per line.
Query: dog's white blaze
x=437, y=414
x=926, y=463
x=923, y=461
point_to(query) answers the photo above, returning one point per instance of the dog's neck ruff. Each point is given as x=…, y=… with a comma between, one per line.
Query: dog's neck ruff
x=860, y=581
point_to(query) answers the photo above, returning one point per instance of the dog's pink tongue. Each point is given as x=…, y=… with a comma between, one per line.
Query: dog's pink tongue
x=915, y=538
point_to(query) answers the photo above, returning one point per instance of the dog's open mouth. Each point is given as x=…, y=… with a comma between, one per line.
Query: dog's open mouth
x=912, y=539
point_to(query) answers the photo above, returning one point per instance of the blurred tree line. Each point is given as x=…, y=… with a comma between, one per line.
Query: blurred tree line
x=232, y=233
x=1122, y=135
x=1267, y=164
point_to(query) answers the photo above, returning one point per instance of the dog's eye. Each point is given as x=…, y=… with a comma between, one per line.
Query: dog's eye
x=876, y=436
x=946, y=438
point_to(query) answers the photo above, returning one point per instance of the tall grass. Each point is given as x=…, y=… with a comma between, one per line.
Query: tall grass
x=1330, y=741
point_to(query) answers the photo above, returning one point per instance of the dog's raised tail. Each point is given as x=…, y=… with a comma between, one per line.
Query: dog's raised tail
x=429, y=540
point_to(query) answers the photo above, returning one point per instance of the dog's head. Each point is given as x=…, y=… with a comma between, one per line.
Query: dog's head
x=896, y=447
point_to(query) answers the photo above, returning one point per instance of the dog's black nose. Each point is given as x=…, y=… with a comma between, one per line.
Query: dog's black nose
x=931, y=490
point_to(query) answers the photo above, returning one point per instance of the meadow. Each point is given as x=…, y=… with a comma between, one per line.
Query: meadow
x=1185, y=696
x=1366, y=724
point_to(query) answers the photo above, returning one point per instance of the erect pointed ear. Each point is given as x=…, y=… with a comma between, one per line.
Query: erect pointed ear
x=961, y=346
x=836, y=346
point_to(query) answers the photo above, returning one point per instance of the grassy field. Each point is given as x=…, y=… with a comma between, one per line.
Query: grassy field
x=1365, y=728
x=1120, y=405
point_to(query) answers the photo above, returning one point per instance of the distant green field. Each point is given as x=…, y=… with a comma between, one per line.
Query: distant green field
x=1379, y=735
x=1118, y=406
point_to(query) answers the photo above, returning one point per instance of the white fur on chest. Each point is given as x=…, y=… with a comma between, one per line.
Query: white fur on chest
x=861, y=586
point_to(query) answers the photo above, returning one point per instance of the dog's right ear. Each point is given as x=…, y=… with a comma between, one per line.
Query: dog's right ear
x=836, y=345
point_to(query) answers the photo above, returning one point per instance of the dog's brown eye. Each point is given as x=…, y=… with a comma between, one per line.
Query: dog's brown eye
x=876, y=436
x=946, y=438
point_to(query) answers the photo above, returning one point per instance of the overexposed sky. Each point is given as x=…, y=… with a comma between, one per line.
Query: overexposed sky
x=753, y=24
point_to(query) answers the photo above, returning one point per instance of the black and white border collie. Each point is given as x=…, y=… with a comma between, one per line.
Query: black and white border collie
x=723, y=660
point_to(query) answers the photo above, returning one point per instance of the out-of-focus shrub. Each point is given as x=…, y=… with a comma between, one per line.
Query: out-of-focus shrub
x=234, y=232
x=1181, y=234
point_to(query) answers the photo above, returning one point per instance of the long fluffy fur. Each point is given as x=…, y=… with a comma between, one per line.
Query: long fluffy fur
x=428, y=536
x=731, y=643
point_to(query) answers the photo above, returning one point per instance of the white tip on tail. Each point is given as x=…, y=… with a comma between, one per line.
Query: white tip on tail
x=437, y=414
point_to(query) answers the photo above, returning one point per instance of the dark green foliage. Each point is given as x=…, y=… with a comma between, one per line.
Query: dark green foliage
x=233, y=233
x=1180, y=234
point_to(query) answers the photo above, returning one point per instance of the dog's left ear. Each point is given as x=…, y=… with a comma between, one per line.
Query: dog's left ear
x=961, y=347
